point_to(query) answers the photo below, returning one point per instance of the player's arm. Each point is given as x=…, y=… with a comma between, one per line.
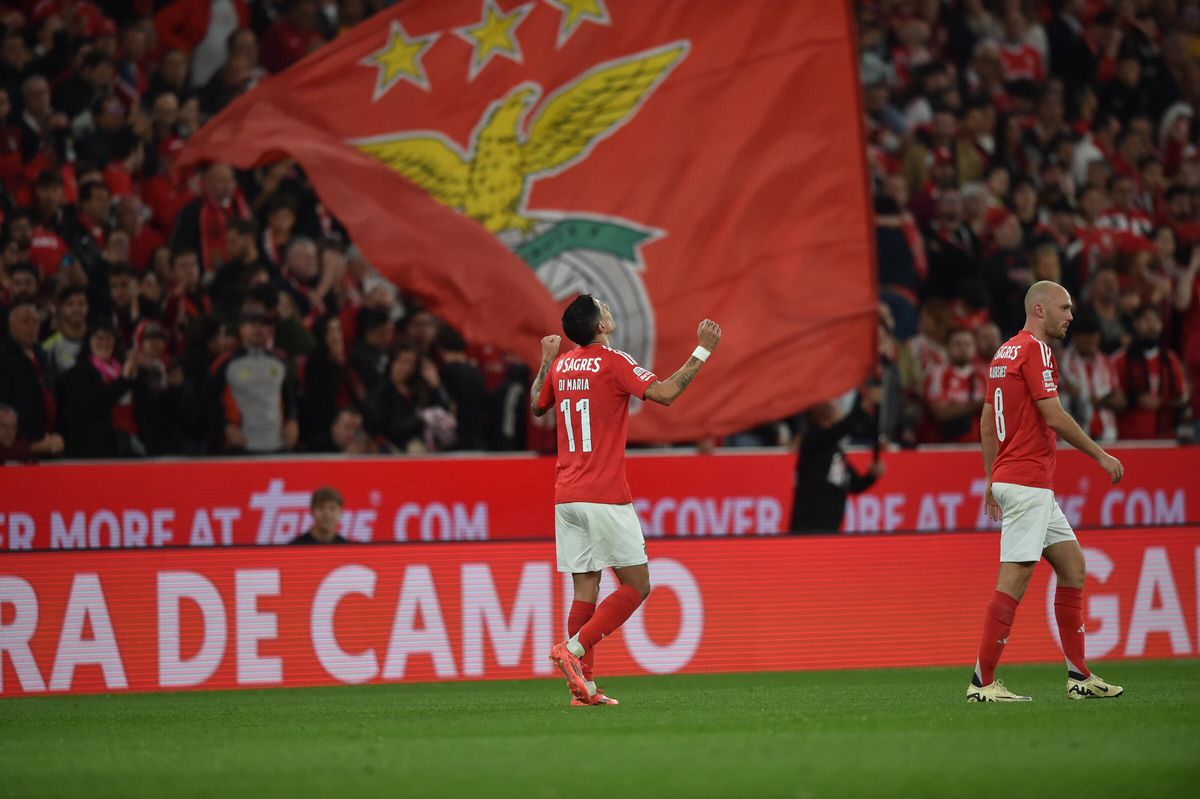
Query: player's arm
x=1061, y=422
x=549, y=350
x=664, y=392
x=987, y=437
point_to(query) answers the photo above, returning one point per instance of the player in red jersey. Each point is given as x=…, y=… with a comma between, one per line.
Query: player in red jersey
x=595, y=525
x=1021, y=420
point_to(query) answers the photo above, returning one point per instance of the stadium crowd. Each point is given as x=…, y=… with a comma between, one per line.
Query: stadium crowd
x=150, y=312
x=1017, y=141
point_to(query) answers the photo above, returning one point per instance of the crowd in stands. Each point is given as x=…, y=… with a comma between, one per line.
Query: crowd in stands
x=1016, y=141
x=151, y=311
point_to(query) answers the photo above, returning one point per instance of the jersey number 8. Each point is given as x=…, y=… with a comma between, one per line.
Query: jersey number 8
x=582, y=407
x=998, y=407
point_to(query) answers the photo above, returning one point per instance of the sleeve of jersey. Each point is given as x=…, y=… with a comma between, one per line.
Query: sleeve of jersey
x=631, y=378
x=1040, y=377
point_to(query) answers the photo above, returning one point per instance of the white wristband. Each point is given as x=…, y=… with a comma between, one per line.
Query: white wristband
x=701, y=354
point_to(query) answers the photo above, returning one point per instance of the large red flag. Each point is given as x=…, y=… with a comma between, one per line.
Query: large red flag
x=680, y=160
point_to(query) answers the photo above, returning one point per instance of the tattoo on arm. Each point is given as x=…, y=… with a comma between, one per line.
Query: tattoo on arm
x=537, y=389
x=687, y=373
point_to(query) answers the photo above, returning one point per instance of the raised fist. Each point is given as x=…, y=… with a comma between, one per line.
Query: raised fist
x=550, y=347
x=709, y=334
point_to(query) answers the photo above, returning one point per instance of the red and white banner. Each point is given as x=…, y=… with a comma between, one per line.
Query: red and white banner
x=228, y=502
x=81, y=622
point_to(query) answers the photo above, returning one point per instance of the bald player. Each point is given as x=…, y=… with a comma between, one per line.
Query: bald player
x=1021, y=421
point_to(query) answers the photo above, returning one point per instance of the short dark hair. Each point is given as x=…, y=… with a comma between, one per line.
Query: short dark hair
x=375, y=317
x=1146, y=308
x=450, y=340
x=580, y=319
x=121, y=270
x=69, y=292
x=325, y=494
x=91, y=187
x=1086, y=322
x=25, y=266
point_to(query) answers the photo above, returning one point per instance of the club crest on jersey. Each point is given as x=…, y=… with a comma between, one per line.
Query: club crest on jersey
x=489, y=177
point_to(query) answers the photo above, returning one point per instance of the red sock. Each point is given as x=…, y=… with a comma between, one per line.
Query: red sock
x=580, y=613
x=1068, y=612
x=611, y=614
x=997, y=624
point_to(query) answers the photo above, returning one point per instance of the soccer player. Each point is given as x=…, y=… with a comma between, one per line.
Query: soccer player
x=595, y=525
x=1021, y=417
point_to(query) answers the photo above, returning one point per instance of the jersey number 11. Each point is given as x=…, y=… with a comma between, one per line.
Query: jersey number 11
x=582, y=407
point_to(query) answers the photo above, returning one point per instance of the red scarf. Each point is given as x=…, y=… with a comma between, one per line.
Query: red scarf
x=213, y=219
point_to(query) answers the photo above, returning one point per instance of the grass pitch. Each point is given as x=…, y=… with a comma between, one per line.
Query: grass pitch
x=805, y=734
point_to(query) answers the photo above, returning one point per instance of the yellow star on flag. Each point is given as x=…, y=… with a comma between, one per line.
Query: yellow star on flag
x=575, y=13
x=400, y=59
x=495, y=34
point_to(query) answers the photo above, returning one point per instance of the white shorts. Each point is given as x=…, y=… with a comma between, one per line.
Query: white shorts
x=591, y=536
x=1032, y=522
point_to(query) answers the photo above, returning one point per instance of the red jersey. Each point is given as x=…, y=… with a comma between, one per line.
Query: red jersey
x=1022, y=372
x=956, y=384
x=1021, y=62
x=1159, y=373
x=588, y=389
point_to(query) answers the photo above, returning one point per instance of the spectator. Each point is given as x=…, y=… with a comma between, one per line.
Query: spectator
x=824, y=477
x=123, y=302
x=14, y=447
x=330, y=383
x=186, y=300
x=1102, y=300
x=954, y=393
x=348, y=436
x=302, y=274
x=369, y=357
x=25, y=374
x=898, y=278
x=131, y=217
x=86, y=233
x=1007, y=274
x=280, y=211
x=326, y=506
x=201, y=224
x=465, y=387
x=421, y=329
x=47, y=248
x=95, y=400
x=201, y=28
x=157, y=391
x=394, y=408
x=252, y=394
x=41, y=124
x=1151, y=378
x=1187, y=303
x=292, y=36
x=64, y=345
x=1093, y=394
x=988, y=339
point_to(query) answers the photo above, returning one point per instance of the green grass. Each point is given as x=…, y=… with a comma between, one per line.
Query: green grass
x=804, y=734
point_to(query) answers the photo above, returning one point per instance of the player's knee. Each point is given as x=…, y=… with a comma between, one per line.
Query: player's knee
x=644, y=590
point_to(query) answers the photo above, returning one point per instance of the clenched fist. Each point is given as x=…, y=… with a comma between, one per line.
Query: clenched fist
x=709, y=334
x=550, y=347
